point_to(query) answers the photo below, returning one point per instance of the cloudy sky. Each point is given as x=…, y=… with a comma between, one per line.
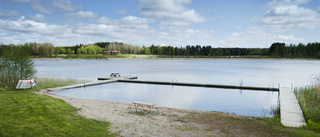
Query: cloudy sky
x=227, y=23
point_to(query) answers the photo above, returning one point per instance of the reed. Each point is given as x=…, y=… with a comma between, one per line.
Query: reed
x=309, y=100
x=43, y=83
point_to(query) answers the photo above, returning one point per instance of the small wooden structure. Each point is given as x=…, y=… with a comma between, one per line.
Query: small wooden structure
x=291, y=114
x=111, y=52
x=140, y=105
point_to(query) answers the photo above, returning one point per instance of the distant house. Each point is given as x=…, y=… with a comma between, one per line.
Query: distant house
x=111, y=52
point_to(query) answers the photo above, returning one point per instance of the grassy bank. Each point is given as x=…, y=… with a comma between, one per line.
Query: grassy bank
x=86, y=56
x=25, y=113
x=309, y=100
x=233, y=125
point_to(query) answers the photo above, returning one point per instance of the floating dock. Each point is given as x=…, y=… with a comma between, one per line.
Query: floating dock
x=291, y=114
x=109, y=78
x=200, y=85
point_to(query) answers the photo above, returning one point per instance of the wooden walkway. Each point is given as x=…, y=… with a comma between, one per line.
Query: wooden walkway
x=290, y=111
x=101, y=81
x=83, y=85
x=200, y=85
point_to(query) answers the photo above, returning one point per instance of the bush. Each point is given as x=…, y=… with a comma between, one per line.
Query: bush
x=15, y=65
x=313, y=125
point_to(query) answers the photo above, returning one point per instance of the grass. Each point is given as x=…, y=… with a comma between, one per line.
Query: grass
x=88, y=56
x=25, y=113
x=233, y=125
x=44, y=83
x=309, y=100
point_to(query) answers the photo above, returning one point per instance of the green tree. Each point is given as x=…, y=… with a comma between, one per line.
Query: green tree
x=277, y=49
x=70, y=51
x=15, y=65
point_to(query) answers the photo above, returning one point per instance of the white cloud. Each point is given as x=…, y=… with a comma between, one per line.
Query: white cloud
x=81, y=15
x=170, y=12
x=290, y=38
x=63, y=5
x=134, y=20
x=37, y=18
x=9, y=13
x=46, y=6
x=276, y=3
x=285, y=15
x=258, y=37
x=129, y=29
x=235, y=34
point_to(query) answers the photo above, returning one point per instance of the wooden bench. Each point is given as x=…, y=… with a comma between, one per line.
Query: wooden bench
x=132, y=107
x=156, y=108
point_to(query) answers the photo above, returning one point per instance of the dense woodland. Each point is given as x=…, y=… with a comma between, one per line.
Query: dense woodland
x=310, y=50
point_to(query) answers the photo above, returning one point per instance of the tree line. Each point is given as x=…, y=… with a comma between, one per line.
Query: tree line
x=98, y=48
x=275, y=50
x=301, y=50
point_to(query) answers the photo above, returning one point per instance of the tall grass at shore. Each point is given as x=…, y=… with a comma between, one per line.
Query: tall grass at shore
x=88, y=56
x=43, y=83
x=309, y=100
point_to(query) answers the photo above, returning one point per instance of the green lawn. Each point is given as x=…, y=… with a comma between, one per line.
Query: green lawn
x=25, y=113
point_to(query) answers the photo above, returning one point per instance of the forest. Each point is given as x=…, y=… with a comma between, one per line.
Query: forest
x=277, y=49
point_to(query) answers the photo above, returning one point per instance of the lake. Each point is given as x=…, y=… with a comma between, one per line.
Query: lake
x=252, y=72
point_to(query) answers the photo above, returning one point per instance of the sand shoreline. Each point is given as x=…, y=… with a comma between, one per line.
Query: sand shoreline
x=166, y=122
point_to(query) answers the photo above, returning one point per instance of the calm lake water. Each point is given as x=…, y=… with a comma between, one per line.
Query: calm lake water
x=265, y=73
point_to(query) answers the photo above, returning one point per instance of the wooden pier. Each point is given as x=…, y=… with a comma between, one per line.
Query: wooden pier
x=290, y=111
x=83, y=85
x=200, y=85
x=101, y=81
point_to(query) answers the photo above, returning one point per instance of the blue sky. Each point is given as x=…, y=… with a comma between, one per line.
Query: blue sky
x=228, y=23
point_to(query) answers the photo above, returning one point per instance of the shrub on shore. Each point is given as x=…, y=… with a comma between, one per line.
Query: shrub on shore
x=14, y=65
x=309, y=100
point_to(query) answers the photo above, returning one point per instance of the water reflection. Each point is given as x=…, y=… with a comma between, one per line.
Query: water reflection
x=265, y=73
x=215, y=71
x=249, y=103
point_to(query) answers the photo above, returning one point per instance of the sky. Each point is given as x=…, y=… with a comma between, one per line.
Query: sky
x=219, y=23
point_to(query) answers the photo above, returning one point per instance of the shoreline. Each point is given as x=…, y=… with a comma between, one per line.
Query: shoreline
x=176, y=122
x=166, y=122
x=156, y=58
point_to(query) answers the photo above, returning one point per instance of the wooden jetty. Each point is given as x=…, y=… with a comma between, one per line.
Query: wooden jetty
x=200, y=85
x=290, y=112
x=83, y=85
x=101, y=81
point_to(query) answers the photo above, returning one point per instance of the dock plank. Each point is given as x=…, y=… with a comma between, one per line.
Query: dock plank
x=83, y=85
x=290, y=111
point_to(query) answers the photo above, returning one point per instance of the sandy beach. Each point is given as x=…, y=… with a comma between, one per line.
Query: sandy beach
x=166, y=122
